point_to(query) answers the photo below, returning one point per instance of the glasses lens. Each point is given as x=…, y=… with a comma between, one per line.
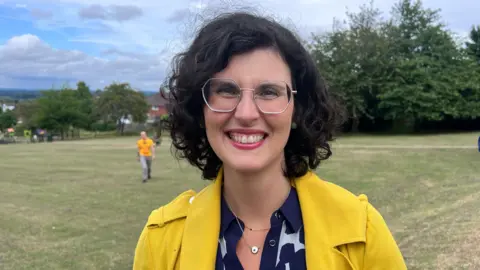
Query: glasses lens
x=221, y=94
x=272, y=97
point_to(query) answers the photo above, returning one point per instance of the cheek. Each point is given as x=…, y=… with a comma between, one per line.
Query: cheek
x=214, y=123
x=280, y=126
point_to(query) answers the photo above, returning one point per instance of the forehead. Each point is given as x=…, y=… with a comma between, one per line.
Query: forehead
x=255, y=67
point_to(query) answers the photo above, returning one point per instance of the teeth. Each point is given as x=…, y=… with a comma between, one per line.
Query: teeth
x=242, y=138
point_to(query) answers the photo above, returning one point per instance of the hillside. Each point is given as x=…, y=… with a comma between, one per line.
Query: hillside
x=10, y=94
x=18, y=94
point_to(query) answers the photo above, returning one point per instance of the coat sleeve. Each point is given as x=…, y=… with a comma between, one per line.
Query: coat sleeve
x=143, y=259
x=159, y=243
x=381, y=250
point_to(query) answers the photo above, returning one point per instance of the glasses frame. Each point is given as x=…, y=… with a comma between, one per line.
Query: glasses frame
x=244, y=89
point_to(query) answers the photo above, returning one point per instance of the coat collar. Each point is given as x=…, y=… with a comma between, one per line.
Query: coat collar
x=202, y=228
x=331, y=215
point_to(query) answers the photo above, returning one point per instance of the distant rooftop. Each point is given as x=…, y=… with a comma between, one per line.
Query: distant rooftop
x=157, y=99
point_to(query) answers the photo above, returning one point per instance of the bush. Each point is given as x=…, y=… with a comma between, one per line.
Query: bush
x=104, y=127
x=19, y=130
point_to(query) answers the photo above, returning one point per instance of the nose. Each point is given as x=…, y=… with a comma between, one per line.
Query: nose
x=247, y=110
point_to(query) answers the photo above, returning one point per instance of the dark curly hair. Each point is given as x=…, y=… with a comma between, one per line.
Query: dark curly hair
x=316, y=112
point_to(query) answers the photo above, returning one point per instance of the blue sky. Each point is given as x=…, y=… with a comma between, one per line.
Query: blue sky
x=45, y=43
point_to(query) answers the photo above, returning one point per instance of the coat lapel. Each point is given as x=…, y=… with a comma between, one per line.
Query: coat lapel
x=202, y=227
x=332, y=216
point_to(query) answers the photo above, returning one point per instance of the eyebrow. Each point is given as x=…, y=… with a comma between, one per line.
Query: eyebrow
x=255, y=82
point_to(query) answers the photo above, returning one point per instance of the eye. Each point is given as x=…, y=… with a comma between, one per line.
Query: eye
x=270, y=91
x=224, y=89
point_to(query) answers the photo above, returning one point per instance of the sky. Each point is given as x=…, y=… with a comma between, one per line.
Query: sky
x=51, y=43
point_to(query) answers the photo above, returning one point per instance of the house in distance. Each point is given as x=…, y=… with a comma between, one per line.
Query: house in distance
x=158, y=106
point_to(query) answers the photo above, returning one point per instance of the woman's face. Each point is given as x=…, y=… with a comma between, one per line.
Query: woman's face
x=246, y=139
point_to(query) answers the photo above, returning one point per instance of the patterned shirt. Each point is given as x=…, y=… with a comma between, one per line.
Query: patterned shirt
x=284, y=246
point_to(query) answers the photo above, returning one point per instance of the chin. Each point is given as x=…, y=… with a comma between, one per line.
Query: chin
x=245, y=165
x=244, y=153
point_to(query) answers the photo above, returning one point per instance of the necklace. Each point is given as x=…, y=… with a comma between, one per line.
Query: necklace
x=254, y=230
x=253, y=249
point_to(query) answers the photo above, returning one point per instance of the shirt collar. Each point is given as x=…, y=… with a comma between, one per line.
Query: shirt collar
x=227, y=217
x=290, y=210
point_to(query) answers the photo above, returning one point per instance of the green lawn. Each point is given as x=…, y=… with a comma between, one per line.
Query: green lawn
x=81, y=205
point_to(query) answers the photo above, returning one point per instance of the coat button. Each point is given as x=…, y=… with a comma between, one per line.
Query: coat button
x=272, y=243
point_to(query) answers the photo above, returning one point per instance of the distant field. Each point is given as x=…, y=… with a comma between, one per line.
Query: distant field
x=80, y=205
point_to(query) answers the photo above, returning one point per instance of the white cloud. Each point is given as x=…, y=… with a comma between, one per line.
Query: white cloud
x=27, y=57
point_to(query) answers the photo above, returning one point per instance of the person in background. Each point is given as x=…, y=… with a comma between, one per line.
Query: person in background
x=145, y=154
x=251, y=111
x=478, y=143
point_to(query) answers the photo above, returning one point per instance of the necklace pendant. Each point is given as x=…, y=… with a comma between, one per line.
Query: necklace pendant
x=254, y=250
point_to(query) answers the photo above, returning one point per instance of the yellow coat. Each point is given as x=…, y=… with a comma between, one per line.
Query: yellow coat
x=342, y=231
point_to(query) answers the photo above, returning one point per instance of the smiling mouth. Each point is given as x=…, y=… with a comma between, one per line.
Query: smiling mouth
x=246, y=138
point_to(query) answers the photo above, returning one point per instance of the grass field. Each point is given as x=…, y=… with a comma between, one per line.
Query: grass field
x=81, y=205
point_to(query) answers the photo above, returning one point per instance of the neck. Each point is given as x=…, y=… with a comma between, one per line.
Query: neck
x=254, y=197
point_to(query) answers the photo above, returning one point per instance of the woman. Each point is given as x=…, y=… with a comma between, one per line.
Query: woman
x=250, y=110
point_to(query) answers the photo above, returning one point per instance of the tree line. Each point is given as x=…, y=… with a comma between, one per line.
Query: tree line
x=63, y=110
x=403, y=72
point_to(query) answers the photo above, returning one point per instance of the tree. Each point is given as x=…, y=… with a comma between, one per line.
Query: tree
x=27, y=111
x=404, y=70
x=60, y=110
x=468, y=74
x=118, y=102
x=424, y=54
x=83, y=91
x=7, y=120
x=352, y=59
x=86, y=105
x=473, y=46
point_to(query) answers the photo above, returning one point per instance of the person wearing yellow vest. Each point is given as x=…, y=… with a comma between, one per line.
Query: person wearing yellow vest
x=250, y=109
x=145, y=154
